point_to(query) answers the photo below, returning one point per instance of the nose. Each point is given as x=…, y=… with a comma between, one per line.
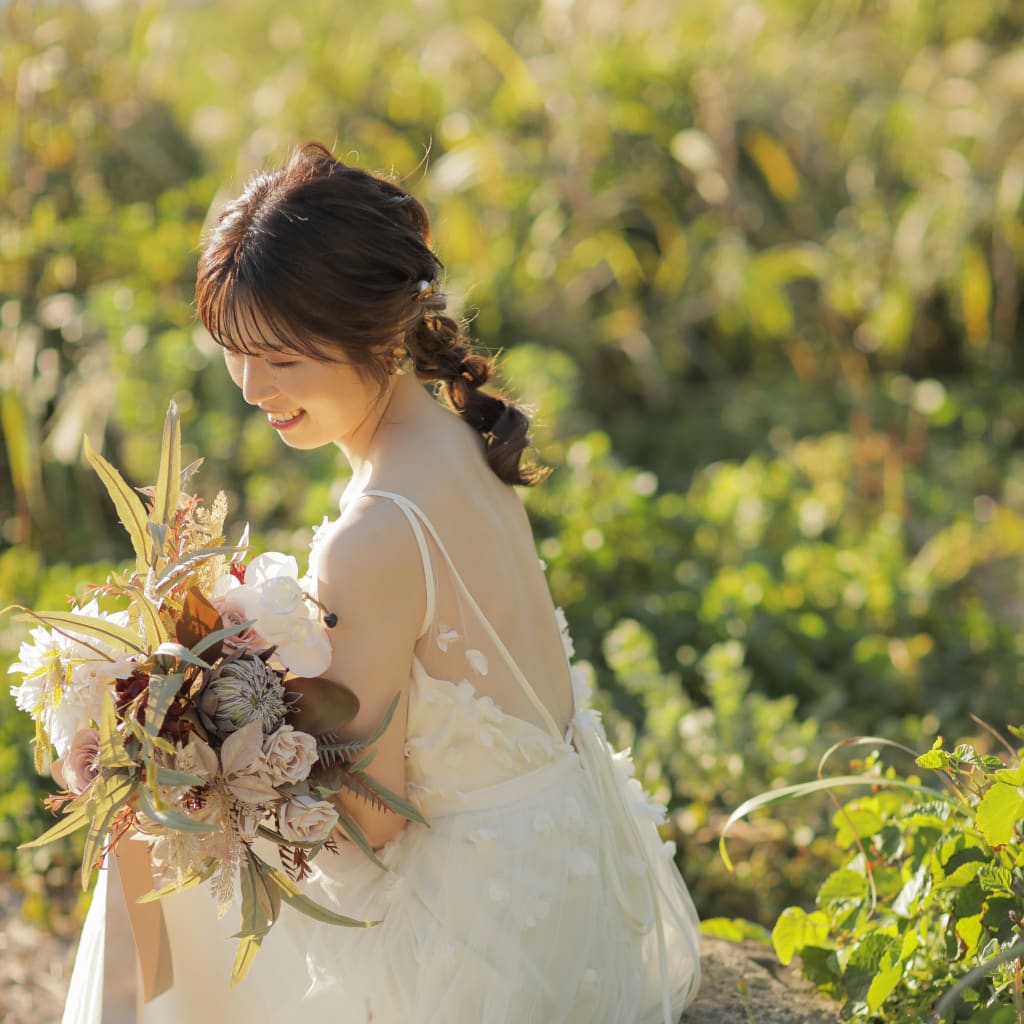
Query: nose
x=256, y=382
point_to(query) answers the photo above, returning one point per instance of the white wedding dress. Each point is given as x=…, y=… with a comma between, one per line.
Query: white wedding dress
x=540, y=893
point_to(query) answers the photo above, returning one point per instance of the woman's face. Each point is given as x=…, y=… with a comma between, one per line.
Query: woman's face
x=309, y=402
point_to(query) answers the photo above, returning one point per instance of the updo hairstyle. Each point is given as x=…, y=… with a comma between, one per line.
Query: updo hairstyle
x=331, y=262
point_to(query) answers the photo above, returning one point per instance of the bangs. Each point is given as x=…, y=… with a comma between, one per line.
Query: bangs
x=242, y=321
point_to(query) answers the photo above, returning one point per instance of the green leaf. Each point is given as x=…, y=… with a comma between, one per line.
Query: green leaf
x=874, y=953
x=171, y=574
x=999, y=811
x=883, y=984
x=842, y=886
x=795, y=929
x=937, y=759
x=168, y=481
x=857, y=820
x=107, y=799
x=735, y=929
x=130, y=509
x=75, y=625
x=154, y=626
x=248, y=947
x=296, y=898
x=171, y=777
x=171, y=819
x=182, y=653
x=112, y=752
x=1011, y=776
x=162, y=691
x=196, y=876
x=267, y=894
x=969, y=931
x=355, y=833
x=70, y=823
x=996, y=879
x=394, y=802
x=385, y=721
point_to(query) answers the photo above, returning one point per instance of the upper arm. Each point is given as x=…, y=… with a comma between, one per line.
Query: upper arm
x=372, y=578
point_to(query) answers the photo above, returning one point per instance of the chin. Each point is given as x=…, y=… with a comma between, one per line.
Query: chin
x=303, y=444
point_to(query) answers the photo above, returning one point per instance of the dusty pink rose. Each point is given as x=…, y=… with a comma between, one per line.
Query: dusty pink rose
x=304, y=819
x=289, y=754
x=81, y=764
x=232, y=615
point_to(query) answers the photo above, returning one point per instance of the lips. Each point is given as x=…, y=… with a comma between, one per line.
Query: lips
x=284, y=420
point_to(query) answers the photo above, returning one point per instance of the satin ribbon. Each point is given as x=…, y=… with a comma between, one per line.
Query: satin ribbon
x=134, y=931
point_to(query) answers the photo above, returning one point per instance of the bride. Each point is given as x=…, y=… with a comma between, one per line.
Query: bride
x=539, y=891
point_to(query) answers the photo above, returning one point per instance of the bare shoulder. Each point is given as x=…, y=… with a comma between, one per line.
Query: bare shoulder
x=370, y=558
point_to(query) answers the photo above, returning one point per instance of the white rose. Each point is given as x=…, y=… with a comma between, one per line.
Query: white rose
x=289, y=754
x=304, y=819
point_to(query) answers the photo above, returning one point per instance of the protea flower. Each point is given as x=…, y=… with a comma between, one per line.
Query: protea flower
x=239, y=691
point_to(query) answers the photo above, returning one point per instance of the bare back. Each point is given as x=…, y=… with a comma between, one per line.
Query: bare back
x=481, y=535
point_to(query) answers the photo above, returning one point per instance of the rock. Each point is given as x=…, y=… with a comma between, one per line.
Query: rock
x=744, y=983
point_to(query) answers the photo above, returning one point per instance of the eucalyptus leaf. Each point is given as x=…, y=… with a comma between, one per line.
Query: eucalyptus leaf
x=170, y=777
x=297, y=899
x=70, y=823
x=130, y=509
x=171, y=819
x=351, y=828
x=74, y=625
x=182, y=653
x=168, y=480
x=196, y=876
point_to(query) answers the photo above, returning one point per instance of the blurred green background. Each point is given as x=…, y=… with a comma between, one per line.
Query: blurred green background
x=755, y=263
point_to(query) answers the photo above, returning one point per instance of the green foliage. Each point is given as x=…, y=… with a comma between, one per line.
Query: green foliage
x=922, y=916
x=756, y=264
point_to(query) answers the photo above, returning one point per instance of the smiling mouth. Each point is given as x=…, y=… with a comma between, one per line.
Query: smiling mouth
x=282, y=421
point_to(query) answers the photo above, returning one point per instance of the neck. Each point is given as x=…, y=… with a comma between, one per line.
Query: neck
x=404, y=402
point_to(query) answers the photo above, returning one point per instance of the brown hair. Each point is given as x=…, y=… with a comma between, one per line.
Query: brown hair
x=327, y=260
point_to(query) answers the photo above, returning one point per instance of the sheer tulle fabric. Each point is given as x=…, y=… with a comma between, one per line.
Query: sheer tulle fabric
x=503, y=910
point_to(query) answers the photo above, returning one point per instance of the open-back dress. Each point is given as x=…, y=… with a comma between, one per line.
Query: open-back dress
x=539, y=892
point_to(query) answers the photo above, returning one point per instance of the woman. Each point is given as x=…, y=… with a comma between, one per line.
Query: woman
x=539, y=890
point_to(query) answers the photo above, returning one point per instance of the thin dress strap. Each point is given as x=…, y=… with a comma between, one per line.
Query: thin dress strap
x=421, y=543
x=416, y=516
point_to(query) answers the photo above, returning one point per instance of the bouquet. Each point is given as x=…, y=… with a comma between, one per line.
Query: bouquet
x=192, y=716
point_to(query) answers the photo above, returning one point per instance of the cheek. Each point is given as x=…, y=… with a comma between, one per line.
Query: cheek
x=233, y=362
